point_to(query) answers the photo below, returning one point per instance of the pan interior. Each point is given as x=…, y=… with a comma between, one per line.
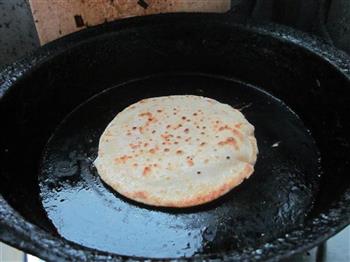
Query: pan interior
x=276, y=199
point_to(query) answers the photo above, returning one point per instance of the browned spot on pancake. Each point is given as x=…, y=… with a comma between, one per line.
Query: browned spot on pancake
x=248, y=169
x=183, y=118
x=146, y=170
x=179, y=152
x=145, y=144
x=122, y=159
x=148, y=114
x=165, y=136
x=134, y=146
x=195, y=114
x=190, y=162
x=233, y=130
x=168, y=126
x=153, y=150
x=229, y=141
x=153, y=131
x=238, y=134
x=238, y=125
x=203, y=144
x=159, y=111
x=176, y=127
x=210, y=196
x=140, y=194
x=226, y=127
x=186, y=130
x=108, y=133
x=166, y=149
x=206, y=161
x=150, y=119
x=135, y=164
x=134, y=128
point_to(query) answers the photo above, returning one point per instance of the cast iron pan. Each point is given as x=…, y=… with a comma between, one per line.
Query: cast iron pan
x=55, y=104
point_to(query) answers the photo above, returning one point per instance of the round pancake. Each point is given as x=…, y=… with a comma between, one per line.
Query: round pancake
x=176, y=151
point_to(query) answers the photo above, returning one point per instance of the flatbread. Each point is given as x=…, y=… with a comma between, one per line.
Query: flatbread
x=176, y=151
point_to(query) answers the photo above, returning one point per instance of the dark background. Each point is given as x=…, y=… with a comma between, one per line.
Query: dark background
x=328, y=19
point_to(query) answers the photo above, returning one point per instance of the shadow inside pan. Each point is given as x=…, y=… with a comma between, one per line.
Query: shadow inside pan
x=277, y=197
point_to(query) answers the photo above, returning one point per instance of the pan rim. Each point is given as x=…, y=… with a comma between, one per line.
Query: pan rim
x=43, y=241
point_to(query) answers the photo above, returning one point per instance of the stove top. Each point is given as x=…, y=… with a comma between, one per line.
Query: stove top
x=329, y=19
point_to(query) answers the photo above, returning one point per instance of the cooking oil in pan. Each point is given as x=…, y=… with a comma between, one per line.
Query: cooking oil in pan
x=274, y=200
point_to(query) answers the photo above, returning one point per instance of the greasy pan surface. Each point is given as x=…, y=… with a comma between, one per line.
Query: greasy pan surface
x=277, y=198
x=175, y=54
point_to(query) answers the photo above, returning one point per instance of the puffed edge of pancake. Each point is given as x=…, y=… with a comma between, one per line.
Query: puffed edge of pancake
x=201, y=198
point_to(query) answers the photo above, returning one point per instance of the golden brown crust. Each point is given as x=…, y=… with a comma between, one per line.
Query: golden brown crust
x=149, y=199
x=177, y=151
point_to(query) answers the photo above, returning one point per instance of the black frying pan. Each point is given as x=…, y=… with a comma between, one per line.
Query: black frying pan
x=55, y=104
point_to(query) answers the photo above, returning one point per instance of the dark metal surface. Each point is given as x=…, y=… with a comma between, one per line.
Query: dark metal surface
x=326, y=18
x=17, y=30
x=87, y=212
x=41, y=90
x=338, y=23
